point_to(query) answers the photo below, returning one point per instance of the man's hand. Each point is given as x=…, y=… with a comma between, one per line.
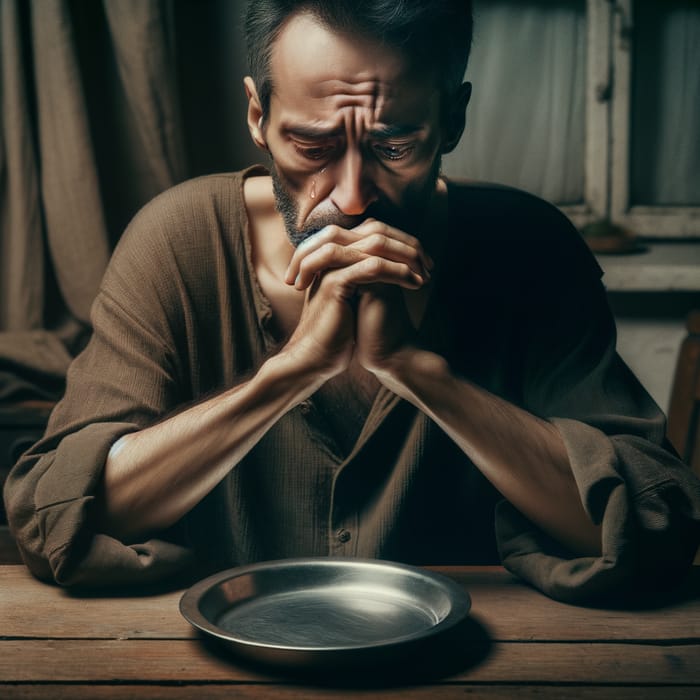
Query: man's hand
x=354, y=302
x=190, y=452
x=522, y=455
x=384, y=328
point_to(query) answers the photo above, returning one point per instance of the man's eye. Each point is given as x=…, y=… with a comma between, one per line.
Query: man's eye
x=391, y=151
x=314, y=152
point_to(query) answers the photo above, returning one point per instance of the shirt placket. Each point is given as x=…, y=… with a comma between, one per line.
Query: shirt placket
x=346, y=506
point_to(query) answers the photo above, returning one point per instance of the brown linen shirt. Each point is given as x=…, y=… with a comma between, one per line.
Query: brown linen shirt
x=518, y=308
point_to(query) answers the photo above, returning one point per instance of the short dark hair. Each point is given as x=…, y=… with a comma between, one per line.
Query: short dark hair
x=435, y=33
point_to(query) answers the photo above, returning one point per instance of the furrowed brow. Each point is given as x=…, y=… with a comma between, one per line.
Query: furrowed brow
x=312, y=132
x=391, y=131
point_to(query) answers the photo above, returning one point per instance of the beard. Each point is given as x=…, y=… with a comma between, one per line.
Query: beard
x=408, y=217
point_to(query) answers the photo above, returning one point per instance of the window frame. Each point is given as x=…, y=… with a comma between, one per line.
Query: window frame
x=598, y=91
x=607, y=189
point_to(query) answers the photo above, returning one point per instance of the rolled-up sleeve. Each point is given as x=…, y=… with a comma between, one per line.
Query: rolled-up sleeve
x=126, y=378
x=51, y=500
x=647, y=503
x=630, y=481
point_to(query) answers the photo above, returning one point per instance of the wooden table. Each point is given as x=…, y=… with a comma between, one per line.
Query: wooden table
x=54, y=644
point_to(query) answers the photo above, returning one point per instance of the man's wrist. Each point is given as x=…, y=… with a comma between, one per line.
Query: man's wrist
x=286, y=373
x=412, y=370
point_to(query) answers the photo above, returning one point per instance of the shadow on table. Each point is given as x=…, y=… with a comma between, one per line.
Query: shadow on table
x=178, y=582
x=463, y=647
x=671, y=595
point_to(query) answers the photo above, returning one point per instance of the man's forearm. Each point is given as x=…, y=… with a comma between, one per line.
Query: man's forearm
x=155, y=476
x=522, y=455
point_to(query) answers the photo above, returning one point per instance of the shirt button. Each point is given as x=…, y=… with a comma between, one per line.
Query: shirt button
x=343, y=536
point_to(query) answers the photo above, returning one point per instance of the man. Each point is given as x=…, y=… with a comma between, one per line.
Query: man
x=351, y=356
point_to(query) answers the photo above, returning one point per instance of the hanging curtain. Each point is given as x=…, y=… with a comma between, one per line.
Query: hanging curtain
x=666, y=107
x=525, y=122
x=89, y=131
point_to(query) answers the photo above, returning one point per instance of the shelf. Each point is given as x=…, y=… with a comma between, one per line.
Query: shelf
x=660, y=267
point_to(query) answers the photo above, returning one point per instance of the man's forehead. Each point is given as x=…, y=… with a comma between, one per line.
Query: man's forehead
x=310, y=44
x=309, y=61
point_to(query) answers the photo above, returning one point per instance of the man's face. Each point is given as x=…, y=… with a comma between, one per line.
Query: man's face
x=353, y=131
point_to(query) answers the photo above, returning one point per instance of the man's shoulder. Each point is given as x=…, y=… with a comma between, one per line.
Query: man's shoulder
x=518, y=230
x=492, y=204
x=192, y=197
x=189, y=214
x=183, y=230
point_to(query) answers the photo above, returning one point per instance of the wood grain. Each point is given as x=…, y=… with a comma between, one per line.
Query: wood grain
x=517, y=643
x=189, y=661
x=265, y=692
x=508, y=609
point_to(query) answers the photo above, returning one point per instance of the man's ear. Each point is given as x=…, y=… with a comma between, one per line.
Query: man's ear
x=456, y=118
x=255, y=114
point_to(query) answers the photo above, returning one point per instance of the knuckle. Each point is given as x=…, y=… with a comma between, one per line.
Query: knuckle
x=413, y=242
x=404, y=271
x=377, y=241
x=327, y=251
x=374, y=265
x=330, y=232
x=304, y=266
x=380, y=227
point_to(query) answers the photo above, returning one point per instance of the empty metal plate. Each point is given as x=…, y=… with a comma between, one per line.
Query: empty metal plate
x=327, y=612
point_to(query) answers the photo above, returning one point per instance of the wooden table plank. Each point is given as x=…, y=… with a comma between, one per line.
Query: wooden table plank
x=54, y=644
x=513, y=611
x=256, y=692
x=510, y=610
x=30, y=608
x=190, y=661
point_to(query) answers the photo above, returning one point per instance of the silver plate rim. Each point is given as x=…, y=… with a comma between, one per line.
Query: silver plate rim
x=189, y=606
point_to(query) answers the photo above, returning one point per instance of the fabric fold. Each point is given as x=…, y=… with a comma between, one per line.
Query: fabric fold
x=637, y=504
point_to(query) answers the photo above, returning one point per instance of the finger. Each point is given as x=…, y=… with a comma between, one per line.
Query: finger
x=373, y=226
x=328, y=256
x=372, y=270
x=331, y=256
x=372, y=237
x=382, y=246
x=327, y=234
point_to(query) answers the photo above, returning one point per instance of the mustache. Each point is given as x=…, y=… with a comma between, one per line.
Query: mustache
x=332, y=216
x=328, y=214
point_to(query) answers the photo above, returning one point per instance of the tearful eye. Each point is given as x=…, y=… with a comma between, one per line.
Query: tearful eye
x=392, y=151
x=314, y=152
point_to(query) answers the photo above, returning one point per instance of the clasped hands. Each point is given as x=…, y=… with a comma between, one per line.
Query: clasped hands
x=354, y=304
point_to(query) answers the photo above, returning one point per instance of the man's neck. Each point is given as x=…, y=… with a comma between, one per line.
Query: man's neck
x=272, y=249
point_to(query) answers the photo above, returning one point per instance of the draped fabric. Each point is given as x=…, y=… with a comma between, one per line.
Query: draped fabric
x=21, y=263
x=525, y=122
x=666, y=107
x=91, y=128
x=105, y=103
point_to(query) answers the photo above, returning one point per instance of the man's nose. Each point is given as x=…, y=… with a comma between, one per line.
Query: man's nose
x=354, y=189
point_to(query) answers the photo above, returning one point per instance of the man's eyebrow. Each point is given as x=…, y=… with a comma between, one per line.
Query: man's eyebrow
x=387, y=131
x=390, y=131
x=312, y=132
